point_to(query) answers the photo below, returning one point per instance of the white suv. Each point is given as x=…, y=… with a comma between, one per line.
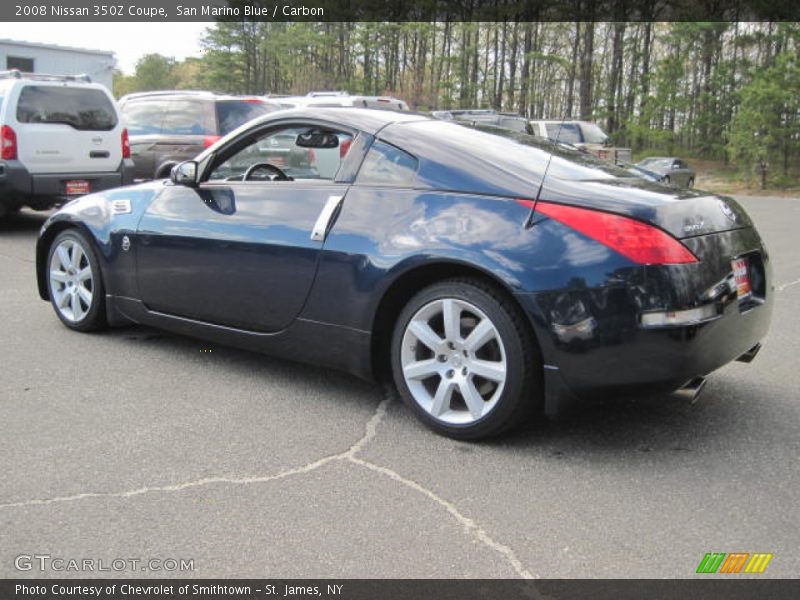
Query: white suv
x=60, y=137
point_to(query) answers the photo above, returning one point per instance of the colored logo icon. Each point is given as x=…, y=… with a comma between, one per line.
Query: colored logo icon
x=734, y=562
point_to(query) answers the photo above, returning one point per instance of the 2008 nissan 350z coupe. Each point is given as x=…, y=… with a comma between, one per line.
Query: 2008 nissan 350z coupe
x=485, y=273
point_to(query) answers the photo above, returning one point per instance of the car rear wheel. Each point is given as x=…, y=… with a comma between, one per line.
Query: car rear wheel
x=463, y=360
x=690, y=183
x=75, y=283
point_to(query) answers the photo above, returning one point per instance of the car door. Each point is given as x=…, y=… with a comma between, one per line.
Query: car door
x=234, y=252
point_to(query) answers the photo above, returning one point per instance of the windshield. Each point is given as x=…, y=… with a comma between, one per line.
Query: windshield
x=592, y=134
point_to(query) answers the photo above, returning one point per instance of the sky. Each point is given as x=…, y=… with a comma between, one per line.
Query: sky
x=129, y=41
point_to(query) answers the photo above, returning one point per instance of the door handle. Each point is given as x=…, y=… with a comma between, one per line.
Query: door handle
x=324, y=219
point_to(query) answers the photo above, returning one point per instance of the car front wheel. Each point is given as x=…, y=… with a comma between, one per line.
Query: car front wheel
x=464, y=361
x=75, y=283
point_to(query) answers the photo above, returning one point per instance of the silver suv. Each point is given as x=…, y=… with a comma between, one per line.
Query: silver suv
x=60, y=137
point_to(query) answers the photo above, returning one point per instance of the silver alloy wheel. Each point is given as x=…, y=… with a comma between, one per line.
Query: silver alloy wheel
x=453, y=361
x=71, y=280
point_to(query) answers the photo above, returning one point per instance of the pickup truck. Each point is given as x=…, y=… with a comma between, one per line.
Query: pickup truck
x=585, y=136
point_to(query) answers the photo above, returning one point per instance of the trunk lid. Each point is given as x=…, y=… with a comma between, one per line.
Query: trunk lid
x=681, y=213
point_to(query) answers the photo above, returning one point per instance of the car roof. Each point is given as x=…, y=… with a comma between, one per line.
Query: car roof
x=368, y=120
x=190, y=94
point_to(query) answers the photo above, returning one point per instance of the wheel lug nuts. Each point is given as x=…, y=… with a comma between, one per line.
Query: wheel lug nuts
x=451, y=345
x=464, y=371
x=450, y=374
x=441, y=358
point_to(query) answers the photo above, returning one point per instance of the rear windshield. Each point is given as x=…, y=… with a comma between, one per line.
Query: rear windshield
x=82, y=108
x=188, y=116
x=143, y=117
x=232, y=113
x=565, y=162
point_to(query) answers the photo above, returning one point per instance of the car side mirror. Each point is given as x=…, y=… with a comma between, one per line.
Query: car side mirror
x=184, y=173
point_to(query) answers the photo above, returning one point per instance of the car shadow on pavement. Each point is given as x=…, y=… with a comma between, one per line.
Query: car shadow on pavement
x=235, y=362
x=23, y=222
x=630, y=426
x=654, y=427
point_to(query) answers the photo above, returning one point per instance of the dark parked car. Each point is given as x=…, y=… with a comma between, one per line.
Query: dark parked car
x=669, y=170
x=168, y=127
x=436, y=255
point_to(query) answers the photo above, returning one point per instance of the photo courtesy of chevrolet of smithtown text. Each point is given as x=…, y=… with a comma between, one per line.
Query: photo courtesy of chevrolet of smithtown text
x=474, y=299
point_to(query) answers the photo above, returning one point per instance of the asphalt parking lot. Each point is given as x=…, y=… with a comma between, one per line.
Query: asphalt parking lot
x=135, y=444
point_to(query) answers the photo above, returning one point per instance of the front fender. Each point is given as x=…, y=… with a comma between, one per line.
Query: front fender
x=104, y=218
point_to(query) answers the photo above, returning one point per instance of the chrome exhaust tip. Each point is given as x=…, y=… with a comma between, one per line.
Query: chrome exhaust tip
x=691, y=391
x=750, y=354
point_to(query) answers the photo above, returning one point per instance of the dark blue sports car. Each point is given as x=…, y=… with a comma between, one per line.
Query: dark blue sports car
x=487, y=274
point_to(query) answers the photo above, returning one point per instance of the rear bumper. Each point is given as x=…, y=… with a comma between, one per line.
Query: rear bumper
x=17, y=182
x=606, y=345
x=663, y=359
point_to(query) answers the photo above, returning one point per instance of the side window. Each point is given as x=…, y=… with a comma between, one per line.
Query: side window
x=189, y=117
x=279, y=148
x=387, y=165
x=143, y=117
x=566, y=133
x=19, y=62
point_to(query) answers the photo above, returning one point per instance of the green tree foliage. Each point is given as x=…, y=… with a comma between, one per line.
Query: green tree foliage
x=767, y=125
x=702, y=89
x=153, y=72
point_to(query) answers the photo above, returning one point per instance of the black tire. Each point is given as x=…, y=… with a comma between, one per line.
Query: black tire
x=95, y=314
x=522, y=390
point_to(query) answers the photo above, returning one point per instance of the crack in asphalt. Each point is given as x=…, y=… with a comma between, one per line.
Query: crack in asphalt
x=782, y=287
x=370, y=431
x=470, y=526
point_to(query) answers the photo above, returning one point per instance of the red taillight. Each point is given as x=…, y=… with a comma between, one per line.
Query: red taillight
x=344, y=147
x=642, y=243
x=126, y=144
x=210, y=140
x=8, y=140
